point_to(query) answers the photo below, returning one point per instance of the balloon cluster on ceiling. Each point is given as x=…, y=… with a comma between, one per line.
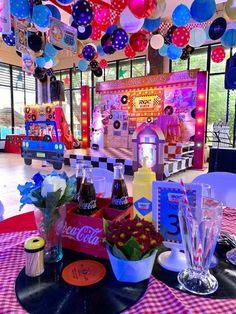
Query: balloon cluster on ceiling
x=137, y=25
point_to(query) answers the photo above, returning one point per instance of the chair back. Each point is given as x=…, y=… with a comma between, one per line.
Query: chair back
x=223, y=186
x=109, y=179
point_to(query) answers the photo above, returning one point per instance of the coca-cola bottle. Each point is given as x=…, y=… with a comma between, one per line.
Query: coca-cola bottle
x=87, y=195
x=119, y=197
x=79, y=176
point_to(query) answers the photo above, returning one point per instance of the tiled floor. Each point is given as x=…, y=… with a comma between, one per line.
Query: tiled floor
x=14, y=172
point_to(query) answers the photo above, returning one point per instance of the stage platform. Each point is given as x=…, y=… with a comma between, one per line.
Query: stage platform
x=106, y=158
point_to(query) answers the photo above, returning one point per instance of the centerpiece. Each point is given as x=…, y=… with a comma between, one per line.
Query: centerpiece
x=49, y=194
x=132, y=248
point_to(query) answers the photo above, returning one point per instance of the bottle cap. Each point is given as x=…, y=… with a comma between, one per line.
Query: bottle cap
x=144, y=173
x=34, y=244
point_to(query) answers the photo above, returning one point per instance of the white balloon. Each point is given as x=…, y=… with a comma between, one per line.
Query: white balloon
x=230, y=9
x=157, y=41
x=160, y=9
x=49, y=64
x=148, y=67
x=129, y=22
x=197, y=37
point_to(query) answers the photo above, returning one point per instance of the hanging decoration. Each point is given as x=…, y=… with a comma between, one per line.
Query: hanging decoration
x=83, y=65
x=151, y=25
x=20, y=8
x=181, y=15
x=230, y=9
x=103, y=64
x=142, y=8
x=50, y=51
x=88, y=52
x=138, y=42
x=163, y=50
x=98, y=72
x=157, y=41
x=118, y=5
x=100, y=51
x=102, y=16
x=96, y=33
x=41, y=15
x=83, y=32
x=5, y=17
x=228, y=40
x=35, y=42
x=168, y=35
x=119, y=39
x=54, y=10
x=21, y=37
x=129, y=22
x=180, y=36
x=9, y=39
x=82, y=13
x=203, y=10
x=217, y=28
x=197, y=37
x=65, y=2
x=218, y=54
x=40, y=62
x=129, y=52
x=27, y=63
x=93, y=65
x=106, y=44
x=174, y=52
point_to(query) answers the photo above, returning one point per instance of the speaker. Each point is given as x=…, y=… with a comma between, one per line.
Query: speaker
x=57, y=90
x=230, y=73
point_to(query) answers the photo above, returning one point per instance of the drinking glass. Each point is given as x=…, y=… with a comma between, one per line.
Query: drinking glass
x=200, y=228
x=99, y=185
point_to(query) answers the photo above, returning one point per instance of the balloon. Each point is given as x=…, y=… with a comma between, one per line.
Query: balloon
x=151, y=25
x=48, y=64
x=138, y=42
x=119, y=39
x=88, y=52
x=207, y=32
x=129, y=52
x=64, y=2
x=41, y=15
x=54, y=10
x=230, y=9
x=83, y=32
x=129, y=22
x=181, y=37
x=157, y=41
x=159, y=10
x=181, y=15
x=118, y=5
x=203, y=10
x=111, y=29
x=185, y=55
x=40, y=62
x=106, y=44
x=218, y=54
x=102, y=16
x=39, y=73
x=9, y=39
x=168, y=35
x=103, y=64
x=35, y=42
x=96, y=33
x=174, y=52
x=82, y=13
x=217, y=28
x=83, y=65
x=98, y=72
x=50, y=51
x=142, y=8
x=20, y=8
x=197, y=37
x=101, y=53
x=49, y=72
x=93, y=65
x=228, y=40
x=163, y=50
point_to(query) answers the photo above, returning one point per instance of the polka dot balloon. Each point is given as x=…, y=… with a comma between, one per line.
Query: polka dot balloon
x=218, y=54
x=118, y=5
x=20, y=8
x=119, y=39
x=106, y=44
x=102, y=16
x=168, y=35
x=103, y=63
x=82, y=13
x=181, y=36
x=93, y=65
x=129, y=52
x=98, y=72
x=9, y=39
x=41, y=15
x=181, y=15
x=89, y=52
x=96, y=33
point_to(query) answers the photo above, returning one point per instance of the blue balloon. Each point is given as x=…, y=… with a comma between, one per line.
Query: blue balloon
x=163, y=50
x=65, y=2
x=83, y=65
x=9, y=39
x=111, y=29
x=119, y=39
x=174, y=52
x=20, y=8
x=40, y=62
x=100, y=51
x=203, y=10
x=50, y=50
x=228, y=40
x=181, y=15
x=41, y=15
x=46, y=58
x=151, y=25
x=54, y=10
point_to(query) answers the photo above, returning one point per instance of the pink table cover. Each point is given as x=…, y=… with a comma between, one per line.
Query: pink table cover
x=159, y=298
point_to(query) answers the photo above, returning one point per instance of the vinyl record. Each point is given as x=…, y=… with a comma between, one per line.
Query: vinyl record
x=108, y=296
x=83, y=32
x=124, y=99
x=116, y=124
x=217, y=28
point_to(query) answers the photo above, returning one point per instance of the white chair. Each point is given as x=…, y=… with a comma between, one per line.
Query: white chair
x=109, y=178
x=223, y=185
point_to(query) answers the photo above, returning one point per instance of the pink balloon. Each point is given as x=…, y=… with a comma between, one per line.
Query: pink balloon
x=142, y=8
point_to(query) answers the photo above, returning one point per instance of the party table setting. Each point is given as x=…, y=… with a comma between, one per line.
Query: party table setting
x=68, y=257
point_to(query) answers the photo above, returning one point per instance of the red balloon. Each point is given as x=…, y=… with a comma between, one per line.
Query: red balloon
x=180, y=37
x=118, y=5
x=138, y=42
x=218, y=54
x=96, y=33
x=103, y=63
x=142, y=8
x=129, y=52
x=80, y=55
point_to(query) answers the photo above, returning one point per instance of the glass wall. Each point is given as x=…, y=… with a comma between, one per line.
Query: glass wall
x=220, y=102
x=16, y=89
x=73, y=79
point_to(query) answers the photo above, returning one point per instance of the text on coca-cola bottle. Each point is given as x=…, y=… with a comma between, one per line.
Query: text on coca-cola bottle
x=119, y=197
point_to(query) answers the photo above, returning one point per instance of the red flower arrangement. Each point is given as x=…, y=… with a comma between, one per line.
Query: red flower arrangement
x=132, y=239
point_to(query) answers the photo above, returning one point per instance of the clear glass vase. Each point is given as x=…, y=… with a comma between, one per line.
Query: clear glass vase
x=50, y=224
x=200, y=227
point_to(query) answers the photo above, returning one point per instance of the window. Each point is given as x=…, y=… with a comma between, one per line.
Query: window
x=5, y=112
x=198, y=60
x=110, y=72
x=124, y=69
x=138, y=67
x=179, y=65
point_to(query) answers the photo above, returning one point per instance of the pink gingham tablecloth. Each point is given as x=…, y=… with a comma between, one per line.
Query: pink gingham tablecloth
x=159, y=298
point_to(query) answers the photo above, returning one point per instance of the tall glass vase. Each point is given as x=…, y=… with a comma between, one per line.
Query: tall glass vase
x=200, y=227
x=50, y=224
